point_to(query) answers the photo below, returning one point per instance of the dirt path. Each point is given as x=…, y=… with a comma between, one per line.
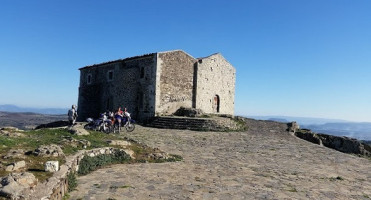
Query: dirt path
x=265, y=162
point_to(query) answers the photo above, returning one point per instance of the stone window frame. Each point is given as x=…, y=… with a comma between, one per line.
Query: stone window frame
x=89, y=78
x=108, y=75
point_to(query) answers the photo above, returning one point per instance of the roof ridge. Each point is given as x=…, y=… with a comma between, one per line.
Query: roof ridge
x=118, y=60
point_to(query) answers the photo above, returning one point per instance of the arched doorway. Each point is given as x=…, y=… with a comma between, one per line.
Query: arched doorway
x=216, y=104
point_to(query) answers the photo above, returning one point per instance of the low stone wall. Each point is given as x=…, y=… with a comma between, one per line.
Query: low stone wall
x=343, y=144
x=57, y=185
x=200, y=124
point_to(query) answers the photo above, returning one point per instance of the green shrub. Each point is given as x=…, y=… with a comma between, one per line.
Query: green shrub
x=72, y=181
x=89, y=164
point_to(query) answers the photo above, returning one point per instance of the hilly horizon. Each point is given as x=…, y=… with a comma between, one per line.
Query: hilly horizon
x=45, y=111
x=338, y=127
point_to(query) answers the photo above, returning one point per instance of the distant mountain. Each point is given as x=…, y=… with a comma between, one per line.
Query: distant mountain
x=361, y=131
x=27, y=120
x=47, y=111
x=278, y=120
x=300, y=120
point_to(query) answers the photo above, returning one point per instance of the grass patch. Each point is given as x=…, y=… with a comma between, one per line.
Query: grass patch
x=241, y=124
x=35, y=164
x=126, y=186
x=122, y=187
x=35, y=138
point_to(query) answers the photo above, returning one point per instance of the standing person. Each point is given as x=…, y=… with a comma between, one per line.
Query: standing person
x=127, y=114
x=72, y=115
x=118, y=118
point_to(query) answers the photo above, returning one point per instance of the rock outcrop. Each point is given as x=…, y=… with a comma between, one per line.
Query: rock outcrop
x=55, y=124
x=17, y=185
x=16, y=166
x=15, y=153
x=343, y=144
x=78, y=129
x=52, y=150
x=293, y=127
x=11, y=132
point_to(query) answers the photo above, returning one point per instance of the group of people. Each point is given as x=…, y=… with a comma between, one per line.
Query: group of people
x=118, y=115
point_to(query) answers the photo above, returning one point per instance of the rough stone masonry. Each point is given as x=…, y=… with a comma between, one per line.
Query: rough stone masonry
x=158, y=84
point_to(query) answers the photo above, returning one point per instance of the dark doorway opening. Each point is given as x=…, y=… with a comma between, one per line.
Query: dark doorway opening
x=216, y=103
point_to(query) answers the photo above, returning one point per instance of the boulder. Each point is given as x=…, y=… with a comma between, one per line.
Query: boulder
x=51, y=166
x=158, y=154
x=17, y=185
x=121, y=143
x=78, y=130
x=129, y=152
x=52, y=150
x=16, y=166
x=15, y=153
x=293, y=127
x=188, y=112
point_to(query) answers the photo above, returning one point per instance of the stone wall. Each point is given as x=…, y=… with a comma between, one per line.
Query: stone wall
x=199, y=124
x=131, y=85
x=174, y=88
x=157, y=84
x=215, y=85
x=56, y=186
x=135, y=88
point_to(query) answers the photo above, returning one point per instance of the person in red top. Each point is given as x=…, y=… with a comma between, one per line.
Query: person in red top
x=118, y=117
x=119, y=111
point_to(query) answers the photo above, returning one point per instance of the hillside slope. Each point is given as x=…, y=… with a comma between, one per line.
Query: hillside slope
x=27, y=120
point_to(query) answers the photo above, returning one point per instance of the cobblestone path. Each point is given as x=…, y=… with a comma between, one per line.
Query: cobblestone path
x=265, y=162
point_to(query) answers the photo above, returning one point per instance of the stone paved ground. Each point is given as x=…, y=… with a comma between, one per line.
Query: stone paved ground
x=265, y=162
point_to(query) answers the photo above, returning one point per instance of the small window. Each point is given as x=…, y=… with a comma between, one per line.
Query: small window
x=88, y=79
x=142, y=72
x=110, y=75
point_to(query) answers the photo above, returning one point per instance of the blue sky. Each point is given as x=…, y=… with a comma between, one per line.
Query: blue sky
x=293, y=57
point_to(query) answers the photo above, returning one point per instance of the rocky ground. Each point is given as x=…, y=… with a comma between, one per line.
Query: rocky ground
x=265, y=162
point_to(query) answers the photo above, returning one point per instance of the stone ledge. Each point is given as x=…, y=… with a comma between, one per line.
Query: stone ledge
x=198, y=124
x=57, y=185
